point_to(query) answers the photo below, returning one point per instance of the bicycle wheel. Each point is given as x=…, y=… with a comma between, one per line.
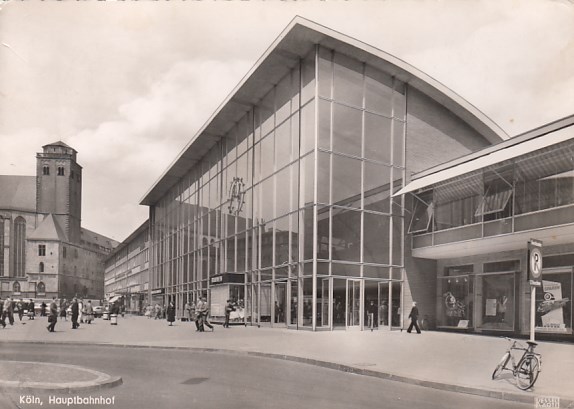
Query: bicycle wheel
x=527, y=372
x=501, y=365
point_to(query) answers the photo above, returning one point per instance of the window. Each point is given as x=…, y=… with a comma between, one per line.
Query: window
x=494, y=202
x=41, y=249
x=61, y=171
x=64, y=252
x=46, y=170
x=19, y=246
x=16, y=287
x=423, y=211
x=41, y=267
x=41, y=288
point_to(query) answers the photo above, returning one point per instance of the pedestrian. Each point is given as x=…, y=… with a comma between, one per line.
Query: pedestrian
x=372, y=310
x=43, y=309
x=192, y=314
x=20, y=307
x=75, y=314
x=52, y=316
x=384, y=314
x=229, y=307
x=31, y=312
x=81, y=311
x=9, y=310
x=64, y=310
x=170, y=313
x=186, y=312
x=414, y=315
x=148, y=311
x=202, y=312
x=157, y=311
x=89, y=315
x=2, y=319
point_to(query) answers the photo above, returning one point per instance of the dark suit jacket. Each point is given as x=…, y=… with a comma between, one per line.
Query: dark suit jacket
x=414, y=315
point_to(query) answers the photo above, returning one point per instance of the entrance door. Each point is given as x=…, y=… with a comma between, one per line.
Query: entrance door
x=384, y=306
x=280, y=303
x=353, y=303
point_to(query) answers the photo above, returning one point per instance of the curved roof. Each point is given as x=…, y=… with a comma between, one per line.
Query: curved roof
x=293, y=44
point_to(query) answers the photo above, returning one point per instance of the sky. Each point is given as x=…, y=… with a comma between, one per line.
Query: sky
x=128, y=84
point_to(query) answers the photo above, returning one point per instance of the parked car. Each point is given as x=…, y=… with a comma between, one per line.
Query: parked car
x=98, y=311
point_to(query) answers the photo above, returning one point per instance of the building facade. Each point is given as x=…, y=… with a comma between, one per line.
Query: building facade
x=474, y=218
x=127, y=272
x=44, y=250
x=284, y=201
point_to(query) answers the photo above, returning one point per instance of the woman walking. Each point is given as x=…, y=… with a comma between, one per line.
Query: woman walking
x=170, y=313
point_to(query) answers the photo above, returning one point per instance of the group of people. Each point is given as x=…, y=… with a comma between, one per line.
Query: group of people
x=197, y=313
x=9, y=307
x=80, y=313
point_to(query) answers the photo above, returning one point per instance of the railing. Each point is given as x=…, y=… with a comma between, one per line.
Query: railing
x=552, y=217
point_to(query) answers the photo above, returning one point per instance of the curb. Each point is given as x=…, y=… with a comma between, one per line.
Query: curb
x=101, y=381
x=502, y=395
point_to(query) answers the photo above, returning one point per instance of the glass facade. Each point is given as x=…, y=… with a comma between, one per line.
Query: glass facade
x=296, y=198
x=502, y=198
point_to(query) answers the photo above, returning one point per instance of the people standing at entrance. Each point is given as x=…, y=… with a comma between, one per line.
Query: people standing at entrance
x=372, y=311
x=170, y=313
x=43, y=309
x=229, y=307
x=414, y=316
x=75, y=314
x=52, y=316
x=202, y=312
x=384, y=314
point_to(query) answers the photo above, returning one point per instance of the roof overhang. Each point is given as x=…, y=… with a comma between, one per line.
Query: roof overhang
x=468, y=166
x=293, y=44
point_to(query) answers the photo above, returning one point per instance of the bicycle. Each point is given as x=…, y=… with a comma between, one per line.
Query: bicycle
x=528, y=367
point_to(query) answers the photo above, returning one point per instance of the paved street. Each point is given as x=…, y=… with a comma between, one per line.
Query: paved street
x=445, y=361
x=154, y=378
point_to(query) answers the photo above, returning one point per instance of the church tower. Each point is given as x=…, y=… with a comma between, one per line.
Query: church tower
x=59, y=187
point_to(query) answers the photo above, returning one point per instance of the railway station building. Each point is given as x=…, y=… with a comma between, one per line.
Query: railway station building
x=337, y=181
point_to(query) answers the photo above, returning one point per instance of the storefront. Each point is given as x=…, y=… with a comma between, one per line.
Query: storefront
x=224, y=287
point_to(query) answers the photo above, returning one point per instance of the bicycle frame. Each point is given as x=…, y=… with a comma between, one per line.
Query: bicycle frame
x=526, y=369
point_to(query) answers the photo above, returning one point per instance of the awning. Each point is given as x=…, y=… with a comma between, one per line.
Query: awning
x=114, y=299
x=490, y=158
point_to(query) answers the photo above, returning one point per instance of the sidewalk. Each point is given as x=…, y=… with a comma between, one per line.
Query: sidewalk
x=448, y=361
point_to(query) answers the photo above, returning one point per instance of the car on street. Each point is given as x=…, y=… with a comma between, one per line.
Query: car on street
x=98, y=311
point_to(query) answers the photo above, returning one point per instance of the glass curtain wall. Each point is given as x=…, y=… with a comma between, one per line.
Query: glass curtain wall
x=296, y=192
x=360, y=163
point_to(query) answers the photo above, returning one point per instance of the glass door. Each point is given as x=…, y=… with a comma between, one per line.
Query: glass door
x=280, y=303
x=353, y=304
x=384, y=310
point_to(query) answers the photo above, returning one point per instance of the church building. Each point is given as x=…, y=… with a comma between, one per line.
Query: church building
x=44, y=251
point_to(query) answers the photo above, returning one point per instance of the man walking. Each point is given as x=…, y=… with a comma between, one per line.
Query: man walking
x=414, y=315
x=75, y=314
x=8, y=310
x=202, y=312
x=53, y=315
